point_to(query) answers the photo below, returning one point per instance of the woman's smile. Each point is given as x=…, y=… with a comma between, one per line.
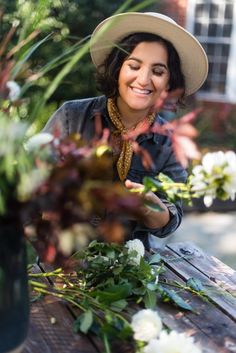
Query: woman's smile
x=141, y=91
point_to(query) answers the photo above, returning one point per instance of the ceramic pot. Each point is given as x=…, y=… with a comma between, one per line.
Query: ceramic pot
x=14, y=302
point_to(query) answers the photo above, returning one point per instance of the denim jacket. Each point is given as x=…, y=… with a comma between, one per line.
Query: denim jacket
x=78, y=116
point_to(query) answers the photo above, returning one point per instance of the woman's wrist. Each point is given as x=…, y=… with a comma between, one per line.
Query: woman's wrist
x=155, y=218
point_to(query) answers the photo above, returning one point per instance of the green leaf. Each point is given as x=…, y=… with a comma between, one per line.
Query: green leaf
x=170, y=295
x=152, y=286
x=152, y=184
x=154, y=259
x=119, y=305
x=85, y=321
x=195, y=284
x=150, y=299
x=114, y=293
x=165, y=179
x=139, y=291
x=20, y=63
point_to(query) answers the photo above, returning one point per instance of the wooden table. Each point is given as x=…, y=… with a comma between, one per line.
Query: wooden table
x=213, y=325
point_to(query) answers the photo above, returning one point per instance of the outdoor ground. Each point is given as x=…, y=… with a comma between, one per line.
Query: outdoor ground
x=214, y=232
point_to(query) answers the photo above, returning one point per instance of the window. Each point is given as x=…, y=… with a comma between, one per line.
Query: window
x=212, y=22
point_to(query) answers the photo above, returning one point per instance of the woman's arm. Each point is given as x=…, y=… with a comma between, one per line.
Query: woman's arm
x=151, y=218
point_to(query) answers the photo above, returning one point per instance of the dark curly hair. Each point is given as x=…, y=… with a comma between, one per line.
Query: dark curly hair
x=108, y=73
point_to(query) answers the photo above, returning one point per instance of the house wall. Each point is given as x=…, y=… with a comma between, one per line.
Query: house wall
x=220, y=122
x=176, y=9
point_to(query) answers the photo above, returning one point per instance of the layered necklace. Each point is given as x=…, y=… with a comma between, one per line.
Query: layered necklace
x=126, y=150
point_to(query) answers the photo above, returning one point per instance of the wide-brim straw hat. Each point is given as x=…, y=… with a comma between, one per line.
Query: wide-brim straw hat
x=112, y=30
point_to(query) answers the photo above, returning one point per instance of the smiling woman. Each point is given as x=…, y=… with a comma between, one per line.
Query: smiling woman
x=140, y=58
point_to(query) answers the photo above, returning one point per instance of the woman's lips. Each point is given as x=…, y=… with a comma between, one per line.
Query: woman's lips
x=141, y=90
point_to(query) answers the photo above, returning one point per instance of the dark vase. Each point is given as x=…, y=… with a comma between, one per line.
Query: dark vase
x=14, y=302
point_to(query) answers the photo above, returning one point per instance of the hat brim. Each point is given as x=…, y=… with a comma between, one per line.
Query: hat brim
x=194, y=63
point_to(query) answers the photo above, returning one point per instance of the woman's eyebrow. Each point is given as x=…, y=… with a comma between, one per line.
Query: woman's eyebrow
x=140, y=62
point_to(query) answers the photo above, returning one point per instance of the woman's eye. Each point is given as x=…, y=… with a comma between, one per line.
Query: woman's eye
x=134, y=67
x=158, y=72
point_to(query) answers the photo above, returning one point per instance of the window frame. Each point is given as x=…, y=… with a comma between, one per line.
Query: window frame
x=230, y=81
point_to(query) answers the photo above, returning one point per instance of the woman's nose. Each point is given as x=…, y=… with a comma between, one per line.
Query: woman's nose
x=144, y=77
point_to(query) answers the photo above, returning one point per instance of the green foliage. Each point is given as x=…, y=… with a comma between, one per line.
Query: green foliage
x=15, y=163
x=172, y=190
x=113, y=277
x=61, y=68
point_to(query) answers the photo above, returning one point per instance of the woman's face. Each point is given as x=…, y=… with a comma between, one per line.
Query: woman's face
x=143, y=76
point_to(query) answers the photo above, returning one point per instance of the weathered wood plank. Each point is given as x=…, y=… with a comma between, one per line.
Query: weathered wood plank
x=51, y=330
x=210, y=327
x=212, y=267
x=222, y=293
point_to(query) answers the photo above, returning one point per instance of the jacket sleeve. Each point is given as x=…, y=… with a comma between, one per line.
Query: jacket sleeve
x=58, y=121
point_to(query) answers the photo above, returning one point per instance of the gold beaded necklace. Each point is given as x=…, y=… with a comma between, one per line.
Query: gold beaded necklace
x=126, y=153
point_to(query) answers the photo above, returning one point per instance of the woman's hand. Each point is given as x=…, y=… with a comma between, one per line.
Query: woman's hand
x=151, y=218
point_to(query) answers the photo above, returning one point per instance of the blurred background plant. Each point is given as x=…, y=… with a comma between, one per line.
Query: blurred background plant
x=61, y=68
x=32, y=32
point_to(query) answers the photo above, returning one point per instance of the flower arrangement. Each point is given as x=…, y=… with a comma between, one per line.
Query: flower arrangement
x=67, y=209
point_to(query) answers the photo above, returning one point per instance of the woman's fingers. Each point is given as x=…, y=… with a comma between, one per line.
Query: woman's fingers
x=132, y=185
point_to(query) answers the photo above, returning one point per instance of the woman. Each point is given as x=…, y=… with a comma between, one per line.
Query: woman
x=138, y=57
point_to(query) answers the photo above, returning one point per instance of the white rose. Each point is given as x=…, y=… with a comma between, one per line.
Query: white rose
x=172, y=342
x=212, y=160
x=217, y=172
x=230, y=174
x=146, y=325
x=135, y=246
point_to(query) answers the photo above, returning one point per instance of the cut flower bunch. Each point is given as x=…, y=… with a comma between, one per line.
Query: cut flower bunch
x=107, y=284
x=214, y=178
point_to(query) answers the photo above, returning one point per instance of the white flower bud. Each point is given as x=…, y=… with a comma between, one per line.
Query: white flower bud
x=146, y=325
x=136, y=250
x=14, y=90
x=38, y=140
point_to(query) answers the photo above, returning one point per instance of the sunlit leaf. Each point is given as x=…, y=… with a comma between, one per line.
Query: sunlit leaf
x=171, y=295
x=150, y=299
x=154, y=259
x=195, y=284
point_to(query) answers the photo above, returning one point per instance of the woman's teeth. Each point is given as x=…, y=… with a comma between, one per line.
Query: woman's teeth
x=141, y=91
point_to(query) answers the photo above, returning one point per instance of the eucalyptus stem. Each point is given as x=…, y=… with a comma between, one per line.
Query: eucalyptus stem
x=106, y=344
x=59, y=295
x=41, y=288
x=183, y=287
